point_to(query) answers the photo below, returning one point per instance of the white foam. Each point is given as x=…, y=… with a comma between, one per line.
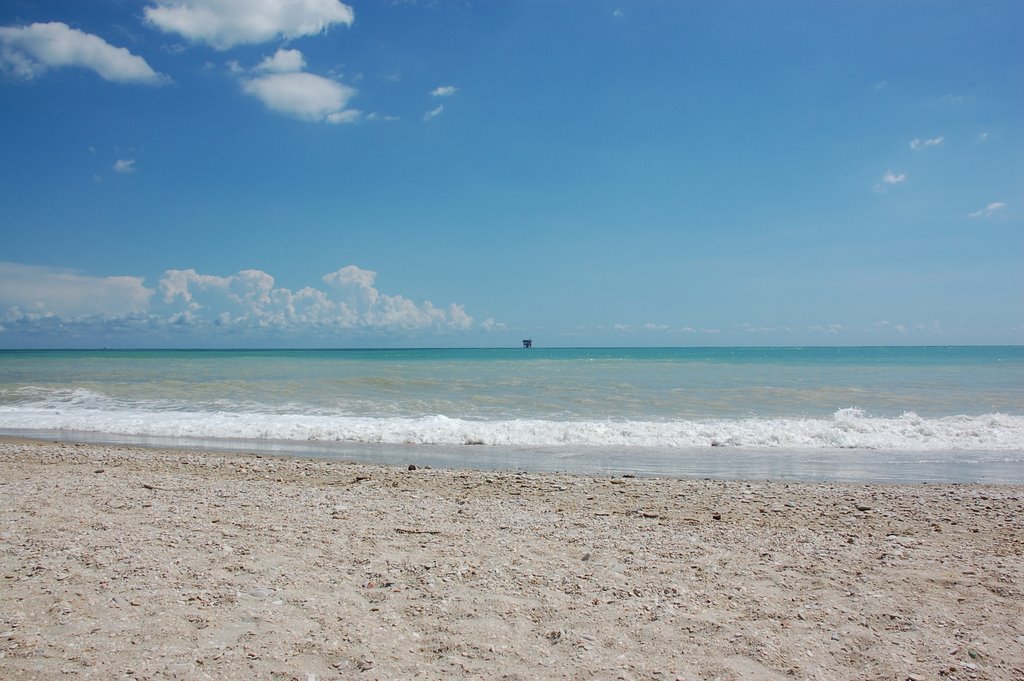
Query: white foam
x=80, y=410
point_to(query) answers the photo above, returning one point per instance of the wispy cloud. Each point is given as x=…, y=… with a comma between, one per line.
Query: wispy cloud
x=831, y=329
x=890, y=179
x=27, y=52
x=988, y=211
x=919, y=144
x=124, y=165
x=223, y=24
x=443, y=91
x=433, y=113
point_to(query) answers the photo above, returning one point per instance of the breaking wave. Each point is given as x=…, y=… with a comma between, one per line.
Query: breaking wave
x=80, y=410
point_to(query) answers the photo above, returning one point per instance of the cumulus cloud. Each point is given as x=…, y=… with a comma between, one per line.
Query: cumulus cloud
x=226, y=23
x=351, y=300
x=36, y=292
x=283, y=61
x=249, y=300
x=27, y=52
x=918, y=144
x=443, y=91
x=283, y=86
x=124, y=165
x=303, y=95
x=988, y=211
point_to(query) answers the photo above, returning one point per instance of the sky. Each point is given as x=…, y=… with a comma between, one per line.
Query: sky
x=312, y=173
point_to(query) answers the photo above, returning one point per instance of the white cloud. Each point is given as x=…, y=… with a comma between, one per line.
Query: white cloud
x=226, y=23
x=250, y=298
x=50, y=300
x=890, y=179
x=283, y=61
x=651, y=326
x=918, y=144
x=983, y=136
x=989, y=210
x=303, y=95
x=125, y=165
x=26, y=52
x=283, y=86
x=443, y=91
x=37, y=292
x=433, y=113
x=831, y=329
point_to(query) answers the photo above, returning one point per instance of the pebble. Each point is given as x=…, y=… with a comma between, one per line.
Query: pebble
x=862, y=507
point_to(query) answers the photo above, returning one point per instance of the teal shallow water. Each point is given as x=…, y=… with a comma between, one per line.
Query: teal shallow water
x=623, y=402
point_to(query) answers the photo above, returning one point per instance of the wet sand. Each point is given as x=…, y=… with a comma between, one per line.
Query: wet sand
x=130, y=563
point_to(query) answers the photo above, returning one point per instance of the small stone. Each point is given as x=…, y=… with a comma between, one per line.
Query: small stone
x=717, y=516
x=412, y=466
x=862, y=507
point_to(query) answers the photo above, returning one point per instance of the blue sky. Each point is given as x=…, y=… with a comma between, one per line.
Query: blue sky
x=311, y=173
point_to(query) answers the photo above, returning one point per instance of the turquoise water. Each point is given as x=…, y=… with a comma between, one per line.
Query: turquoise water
x=640, y=402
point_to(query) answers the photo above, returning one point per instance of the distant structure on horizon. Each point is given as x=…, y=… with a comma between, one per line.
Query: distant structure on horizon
x=527, y=342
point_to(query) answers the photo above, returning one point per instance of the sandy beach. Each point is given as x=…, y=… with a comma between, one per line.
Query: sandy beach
x=131, y=563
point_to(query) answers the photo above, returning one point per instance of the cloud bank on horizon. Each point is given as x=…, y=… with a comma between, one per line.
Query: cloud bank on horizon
x=46, y=301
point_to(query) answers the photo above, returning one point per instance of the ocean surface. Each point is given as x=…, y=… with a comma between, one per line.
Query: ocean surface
x=843, y=413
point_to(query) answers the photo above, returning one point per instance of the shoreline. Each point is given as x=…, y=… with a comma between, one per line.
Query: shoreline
x=849, y=465
x=147, y=563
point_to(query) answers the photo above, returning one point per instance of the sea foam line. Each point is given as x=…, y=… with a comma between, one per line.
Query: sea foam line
x=846, y=428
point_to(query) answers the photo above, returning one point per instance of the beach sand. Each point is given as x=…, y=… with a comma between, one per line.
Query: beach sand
x=131, y=563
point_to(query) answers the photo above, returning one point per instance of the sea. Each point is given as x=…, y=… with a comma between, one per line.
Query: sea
x=880, y=414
